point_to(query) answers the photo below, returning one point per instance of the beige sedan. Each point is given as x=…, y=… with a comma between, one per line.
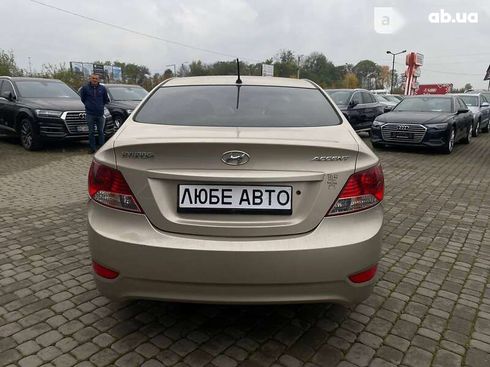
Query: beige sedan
x=236, y=191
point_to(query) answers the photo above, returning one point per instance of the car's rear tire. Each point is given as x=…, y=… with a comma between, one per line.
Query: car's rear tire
x=449, y=146
x=476, y=130
x=29, y=137
x=469, y=134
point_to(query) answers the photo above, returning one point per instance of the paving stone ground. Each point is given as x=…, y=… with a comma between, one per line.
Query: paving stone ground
x=430, y=306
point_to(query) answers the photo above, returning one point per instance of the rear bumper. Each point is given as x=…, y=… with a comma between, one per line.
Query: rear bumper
x=310, y=267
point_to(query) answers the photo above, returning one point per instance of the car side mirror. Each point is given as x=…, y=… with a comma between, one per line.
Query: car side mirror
x=462, y=110
x=485, y=104
x=352, y=103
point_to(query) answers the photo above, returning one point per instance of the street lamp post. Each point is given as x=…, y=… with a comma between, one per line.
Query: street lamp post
x=393, y=66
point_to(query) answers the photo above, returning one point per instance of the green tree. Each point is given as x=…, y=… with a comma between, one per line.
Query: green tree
x=350, y=81
x=319, y=69
x=198, y=68
x=365, y=70
x=133, y=73
x=167, y=74
x=285, y=64
x=63, y=73
x=8, y=65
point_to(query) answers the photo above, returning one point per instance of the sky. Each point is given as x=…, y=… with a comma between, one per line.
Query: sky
x=453, y=35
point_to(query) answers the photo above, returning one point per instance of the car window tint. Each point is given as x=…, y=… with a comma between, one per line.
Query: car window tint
x=366, y=98
x=356, y=97
x=483, y=99
x=461, y=103
x=238, y=106
x=340, y=97
x=7, y=87
x=469, y=100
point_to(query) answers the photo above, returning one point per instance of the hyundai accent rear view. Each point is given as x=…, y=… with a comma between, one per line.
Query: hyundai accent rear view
x=226, y=190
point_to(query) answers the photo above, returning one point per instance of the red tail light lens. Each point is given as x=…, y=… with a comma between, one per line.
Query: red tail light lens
x=107, y=186
x=362, y=190
x=364, y=276
x=103, y=271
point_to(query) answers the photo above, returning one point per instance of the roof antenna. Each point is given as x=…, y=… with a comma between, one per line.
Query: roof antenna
x=238, y=81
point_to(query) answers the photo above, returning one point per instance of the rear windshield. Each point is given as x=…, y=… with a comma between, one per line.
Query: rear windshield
x=250, y=106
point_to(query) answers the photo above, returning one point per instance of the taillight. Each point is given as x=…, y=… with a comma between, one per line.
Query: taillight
x=103, y=271
x=364, y=276
x=107, y=186
x=362, y=190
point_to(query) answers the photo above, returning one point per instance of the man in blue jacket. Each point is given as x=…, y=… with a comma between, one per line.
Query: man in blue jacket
x=94, y=97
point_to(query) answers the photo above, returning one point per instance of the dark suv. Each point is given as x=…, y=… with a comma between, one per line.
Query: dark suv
x=38, y=109
x=359, y=106
x=123, y=100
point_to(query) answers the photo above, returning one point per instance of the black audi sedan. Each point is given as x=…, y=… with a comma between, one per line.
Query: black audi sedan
x=123, y=100
x=435, y=121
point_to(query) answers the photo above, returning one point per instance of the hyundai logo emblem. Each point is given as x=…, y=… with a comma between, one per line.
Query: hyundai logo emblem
x=82, y=115
x=235, y=157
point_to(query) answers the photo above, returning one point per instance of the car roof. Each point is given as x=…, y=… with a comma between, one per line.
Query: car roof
x=347, y=90
x=21, y=78
x=231, y=80
x=120, y=85
x=432, y=96
x=466, y=94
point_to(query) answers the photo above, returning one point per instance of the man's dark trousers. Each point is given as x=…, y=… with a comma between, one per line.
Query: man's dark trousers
x=92, y=122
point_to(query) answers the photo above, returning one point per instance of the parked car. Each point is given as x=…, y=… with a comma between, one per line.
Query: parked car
x=123, y=100
x=38, y=110
x=385, y=102
x=479, y=106
x=483, y=92
x=359, y=106
x=426, y=120
x=236, y=191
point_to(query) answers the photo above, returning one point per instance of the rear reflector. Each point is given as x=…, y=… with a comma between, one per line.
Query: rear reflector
x=107, y=186
x=364, y=276
x=103, y=271
x=361, y=191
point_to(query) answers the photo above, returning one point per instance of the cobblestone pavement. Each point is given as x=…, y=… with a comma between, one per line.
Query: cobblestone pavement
x=430, y=307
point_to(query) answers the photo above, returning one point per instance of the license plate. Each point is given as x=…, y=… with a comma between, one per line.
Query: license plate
x=401, y=135
x=82, y=129
x=235, y=199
